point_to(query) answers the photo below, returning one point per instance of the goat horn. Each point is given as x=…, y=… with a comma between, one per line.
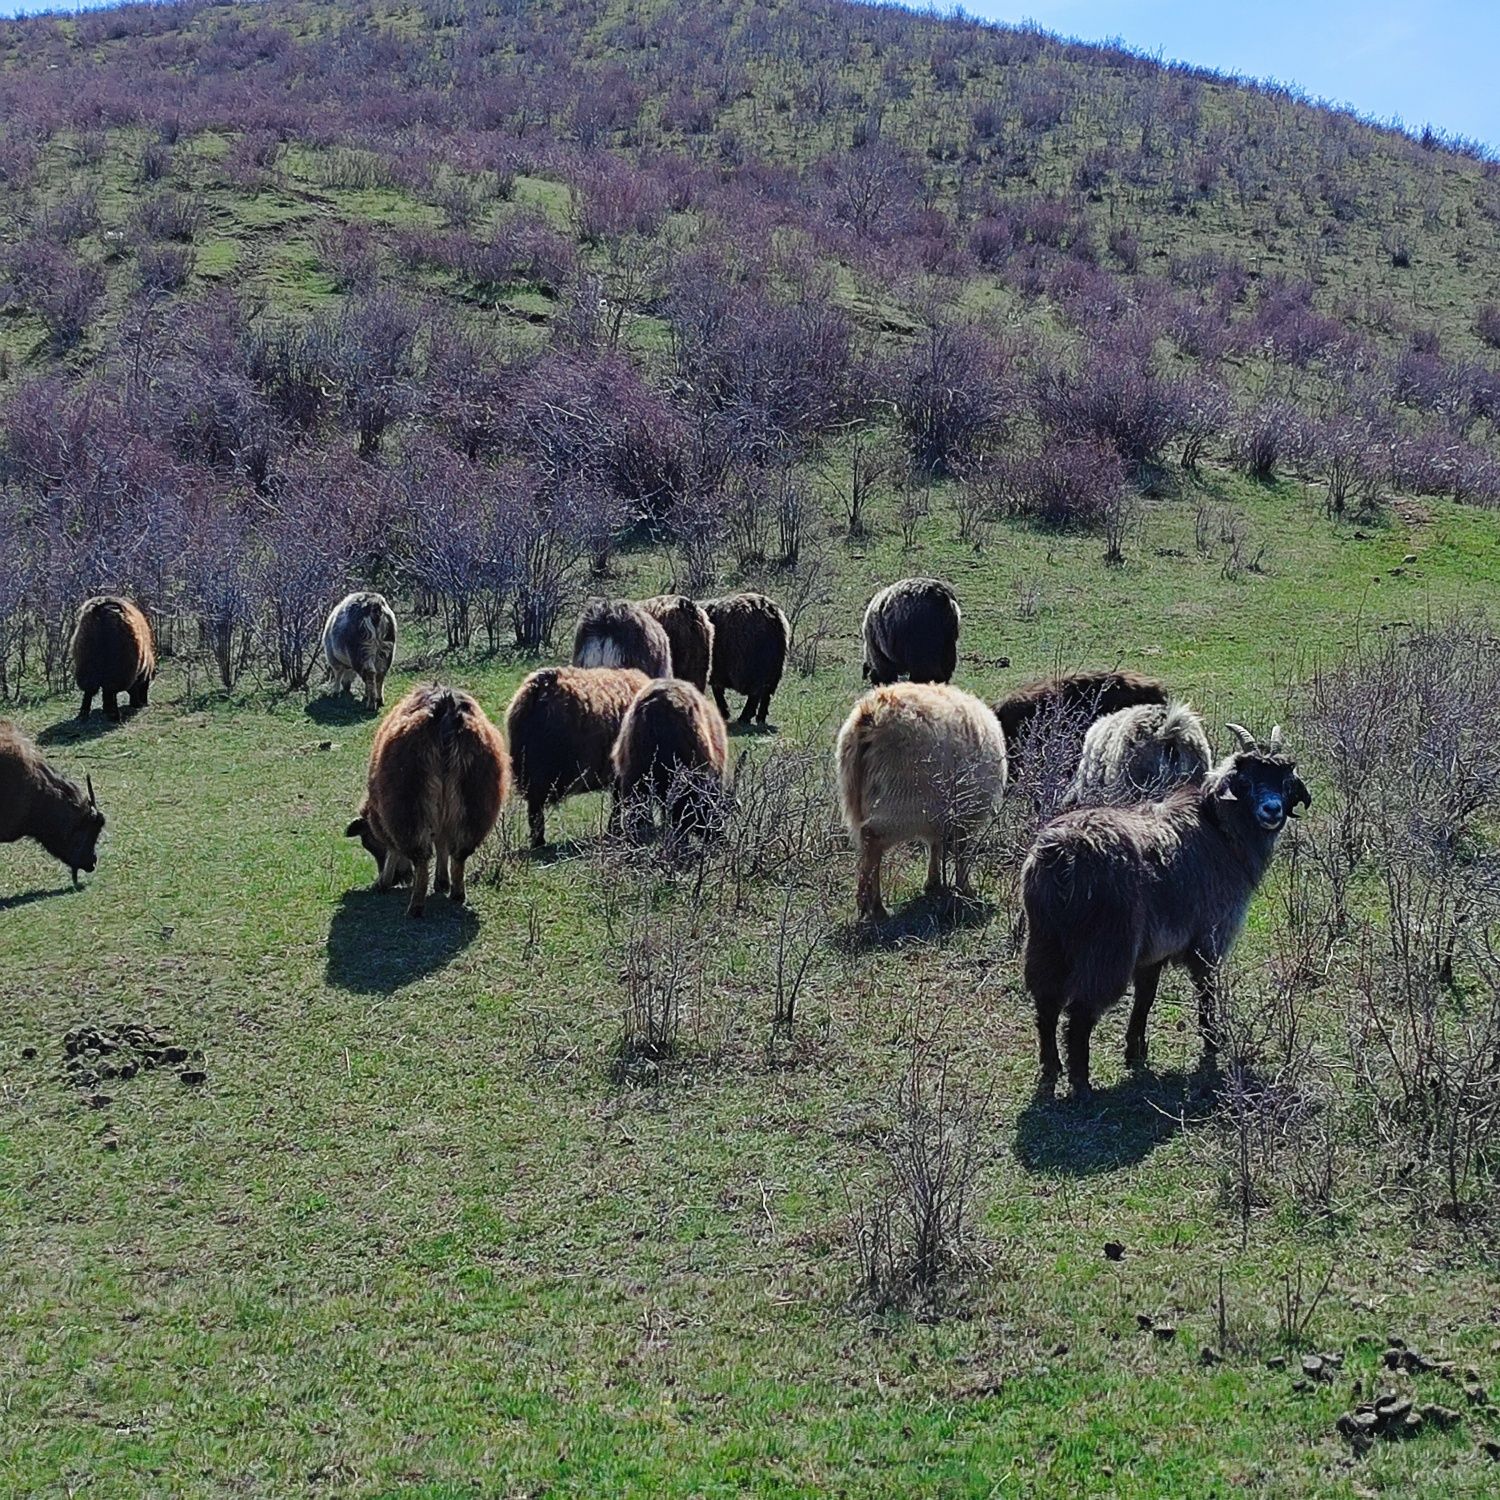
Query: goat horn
x=1243, y=735
x=1275, y=738
x=89, y=782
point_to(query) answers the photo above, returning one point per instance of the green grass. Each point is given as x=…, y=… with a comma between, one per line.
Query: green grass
x=411, y=1237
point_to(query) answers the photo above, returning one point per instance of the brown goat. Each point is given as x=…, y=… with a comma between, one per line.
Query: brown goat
x=1114, y=893
x=911, y=630
x=113, y=653
x=672, y=750
x=751, y=637
x=1069, y=704
x=918, y=761
x=617, y=633
x=562, y=726
x=37, y=802
x=690, y=632
x=439, y=774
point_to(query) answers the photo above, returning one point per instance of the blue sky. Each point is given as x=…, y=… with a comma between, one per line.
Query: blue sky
x=1431, y=62
x=1426, y=63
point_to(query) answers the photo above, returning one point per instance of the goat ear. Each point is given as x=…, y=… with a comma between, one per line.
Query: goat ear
x=1300, y=794
x=1243, y=735
x=355, y=829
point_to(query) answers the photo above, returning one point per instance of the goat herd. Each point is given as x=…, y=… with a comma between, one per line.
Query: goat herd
x=1154, y=859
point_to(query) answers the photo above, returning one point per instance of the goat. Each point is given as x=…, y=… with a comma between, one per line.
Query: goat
x=1113, y=893
x=690, y=633
x=1069, y=703
x=617, y=633
x=562, y=726
x=359, y=641
x=751, y=638
x=38, y=802
x=672, y=750
x=918, y=761
x=911, y=630
x=1139, y=754
x=113, y=653
x=438, y=776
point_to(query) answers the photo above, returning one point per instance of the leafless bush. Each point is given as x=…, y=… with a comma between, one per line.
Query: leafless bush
x=914, y=1238
x=662, y=974
x=348, y=253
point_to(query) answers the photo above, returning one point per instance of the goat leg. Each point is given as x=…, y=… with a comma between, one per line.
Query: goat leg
x=1146, y=981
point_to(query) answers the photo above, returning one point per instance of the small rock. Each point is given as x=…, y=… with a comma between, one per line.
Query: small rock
x=1059, y=1350
x=109, y=1141
x=1443, y=1417
x=28, y=1053
x=99, y=1101
x=1476, y=1393
x=1392, y=1358
x=1357, y=1424
x=1276, y=1362
x=1413, y=1424
x=1312, y=1366
x=1300, y=1387
x=1145, y=1321
x=193, y=1076
x=129, y=1070
x=1208, y=1355
x=1114, y=1250
x=1165, y=1332
x=174, y=1055
x=1334, y=1361
x=325, y=744
x=1410, y=557
x=1492, y=1448
x=1417, y=1363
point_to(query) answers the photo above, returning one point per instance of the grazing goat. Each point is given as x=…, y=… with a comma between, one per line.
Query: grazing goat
x=359, y=641
x=113, y=653
x=1068, y=705
x=690, y=632
x=1113, y=893
x=562, y=726
x=37, y=802
x=911, y=630
x=1139, y=754
x=617, y=633
x=672, y=750
x=438, y=776
x=751, y=637
x=918, y=762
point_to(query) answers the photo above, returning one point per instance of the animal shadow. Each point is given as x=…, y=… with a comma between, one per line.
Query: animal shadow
x=738, y=729
x=924, y=918
x=374, y=948
x=1116, y=1127
x=76, y=731
x=26, y=898
x=339, y=708
x=556, y=852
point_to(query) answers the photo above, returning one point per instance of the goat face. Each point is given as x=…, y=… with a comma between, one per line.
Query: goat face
x=1269, y=787
x=81, y=842
x=360, y=829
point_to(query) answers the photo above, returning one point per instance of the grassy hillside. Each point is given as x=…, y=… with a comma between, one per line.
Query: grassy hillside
x=606, y=1185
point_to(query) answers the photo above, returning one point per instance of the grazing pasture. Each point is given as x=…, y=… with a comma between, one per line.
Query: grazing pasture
x=601, y=1184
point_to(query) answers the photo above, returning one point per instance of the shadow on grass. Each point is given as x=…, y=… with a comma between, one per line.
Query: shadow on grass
x=925, y=918
x=26, y=898
x=76, y=731
x=1116, y=1127
x=739, y=729
x=339, y=708
x=374, y=947
x=556, y=852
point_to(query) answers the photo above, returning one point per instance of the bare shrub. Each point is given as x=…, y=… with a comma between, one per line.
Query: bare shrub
x=348, y=253
x=950, y=393
x=914, y=1239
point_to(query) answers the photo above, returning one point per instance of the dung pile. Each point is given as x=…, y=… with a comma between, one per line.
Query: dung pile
x=99, y=1055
